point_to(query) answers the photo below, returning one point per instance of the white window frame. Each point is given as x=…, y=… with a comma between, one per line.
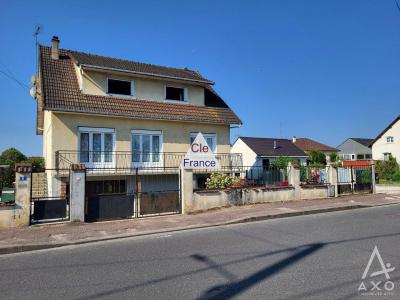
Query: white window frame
x=207, y=135
x=121, y=95
x=185, y=94
x=141, y=133
x=102, y=131
x=390, y=139
x=386, y=156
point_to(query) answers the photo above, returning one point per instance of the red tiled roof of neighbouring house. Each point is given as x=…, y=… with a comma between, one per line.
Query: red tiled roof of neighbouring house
x=307, y=144
x=60, y=91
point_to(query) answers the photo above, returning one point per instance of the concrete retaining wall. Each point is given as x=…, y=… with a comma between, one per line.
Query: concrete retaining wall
x=388, y=188
x=205, y=200
x=315, y=192
x=11, y=216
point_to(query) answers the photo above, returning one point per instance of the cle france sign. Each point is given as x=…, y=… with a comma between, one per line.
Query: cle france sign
x=200, y=155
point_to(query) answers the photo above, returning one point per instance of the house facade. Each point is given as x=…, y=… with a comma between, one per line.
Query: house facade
x=117, y=116
x=387, y=142
x=353, y=149
x=261, y=152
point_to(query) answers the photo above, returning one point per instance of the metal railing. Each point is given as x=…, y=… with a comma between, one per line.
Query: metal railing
x=314, y=175
x=126, y=162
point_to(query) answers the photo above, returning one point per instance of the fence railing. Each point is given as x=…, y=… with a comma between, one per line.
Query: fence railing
x=247, y=176
x=127, y=161
x=310, y=175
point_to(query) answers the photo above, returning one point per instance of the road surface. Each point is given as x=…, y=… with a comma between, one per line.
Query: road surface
x=317, y=256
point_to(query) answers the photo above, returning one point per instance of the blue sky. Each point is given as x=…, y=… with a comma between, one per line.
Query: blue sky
x=326, y=70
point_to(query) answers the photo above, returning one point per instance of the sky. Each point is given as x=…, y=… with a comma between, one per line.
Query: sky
x=327, y=70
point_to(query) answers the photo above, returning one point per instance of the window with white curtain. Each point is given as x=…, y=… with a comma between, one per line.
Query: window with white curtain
x=96, y=145
x=146, y=146
x=211, y=139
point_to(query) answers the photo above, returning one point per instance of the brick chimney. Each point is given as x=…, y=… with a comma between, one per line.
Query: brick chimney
x=55, y=53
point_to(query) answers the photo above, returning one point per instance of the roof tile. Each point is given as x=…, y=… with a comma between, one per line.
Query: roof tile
x=60, y=92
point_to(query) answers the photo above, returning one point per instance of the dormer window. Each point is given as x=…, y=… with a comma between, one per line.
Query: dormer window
x=390, y=139
x=175, y=93
x=119, y=87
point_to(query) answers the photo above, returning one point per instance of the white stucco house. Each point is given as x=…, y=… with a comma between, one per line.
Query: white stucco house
x=387, y=142
x=261, y=152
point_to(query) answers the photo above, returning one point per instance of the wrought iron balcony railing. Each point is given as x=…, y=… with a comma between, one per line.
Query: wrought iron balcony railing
x=127, y=162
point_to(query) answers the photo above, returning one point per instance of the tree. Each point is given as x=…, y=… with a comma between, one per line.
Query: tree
x=333, y=157
x=36, y=161
x=281, y=162
x=316, y=157
x=10, y=157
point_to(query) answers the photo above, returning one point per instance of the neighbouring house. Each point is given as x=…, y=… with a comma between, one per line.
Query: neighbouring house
x=355, y=149
x=261, y=152
x=307, y=144
x=387, y=142
x=121, y=118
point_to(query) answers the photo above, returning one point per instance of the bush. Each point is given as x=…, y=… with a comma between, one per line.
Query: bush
x=386, y=169
x=10, y=157
x=281, y=162
x=333, y=157
x=36, y=161
x=221, y=181
x=396, y=176
x=316, y=157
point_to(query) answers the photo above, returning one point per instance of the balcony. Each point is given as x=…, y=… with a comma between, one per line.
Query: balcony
x=126, y=162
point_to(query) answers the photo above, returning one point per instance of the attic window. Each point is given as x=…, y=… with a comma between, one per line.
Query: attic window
x=175, y=93
x=120, y=87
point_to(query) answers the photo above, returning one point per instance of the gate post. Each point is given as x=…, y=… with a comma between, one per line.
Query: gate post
x=333, y=178
x=77, y=181
x=186, y=189
x=23, y=183
x=294, y=179
x=373, y=189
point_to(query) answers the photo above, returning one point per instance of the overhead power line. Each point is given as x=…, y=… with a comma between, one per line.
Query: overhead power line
x=24, y=86
x=397, y=4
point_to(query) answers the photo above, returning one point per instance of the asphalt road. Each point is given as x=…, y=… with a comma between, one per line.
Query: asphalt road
x=318, y=256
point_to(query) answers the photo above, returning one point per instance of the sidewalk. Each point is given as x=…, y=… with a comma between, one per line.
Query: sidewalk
x=55, y=235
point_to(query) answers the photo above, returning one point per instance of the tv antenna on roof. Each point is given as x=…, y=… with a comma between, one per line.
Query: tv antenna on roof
x=38, y=30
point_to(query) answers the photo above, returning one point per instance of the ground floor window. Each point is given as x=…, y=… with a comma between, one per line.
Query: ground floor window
x=96, y=145
x=386, y=156
x=146, y=146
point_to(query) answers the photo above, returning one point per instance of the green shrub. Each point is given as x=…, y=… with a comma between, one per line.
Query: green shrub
x=396, y=176
x=316, y=157
x=282, y=162
x=333, y=157
x=221, y=181
x=386, y=169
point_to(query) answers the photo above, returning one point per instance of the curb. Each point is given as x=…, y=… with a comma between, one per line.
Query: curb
x=33, y=247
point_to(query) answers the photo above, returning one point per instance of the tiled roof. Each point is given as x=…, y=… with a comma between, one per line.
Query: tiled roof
x=136, y=67
x=60, y=92
x=384, y=130
x=265, y=147
x=363, y=141
x=307, y=144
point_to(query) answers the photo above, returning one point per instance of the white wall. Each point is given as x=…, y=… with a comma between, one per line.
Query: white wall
x=381, y=146
x=249, y=157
